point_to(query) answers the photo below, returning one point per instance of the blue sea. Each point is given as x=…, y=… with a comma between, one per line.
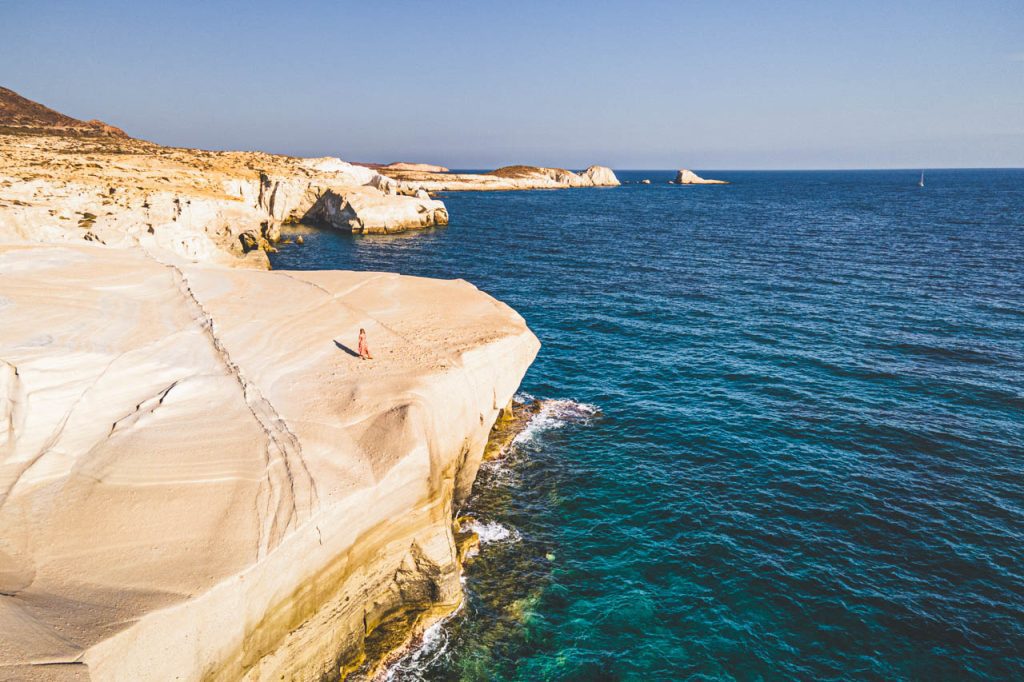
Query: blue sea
x=782, y=434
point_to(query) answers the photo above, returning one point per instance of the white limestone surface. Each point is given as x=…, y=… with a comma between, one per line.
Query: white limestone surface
x=198, y=479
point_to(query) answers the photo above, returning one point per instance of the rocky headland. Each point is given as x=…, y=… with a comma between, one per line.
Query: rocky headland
x=506, y=178
x=198, y=477
x=63, y=180
x=406, y=166
x=202, y=205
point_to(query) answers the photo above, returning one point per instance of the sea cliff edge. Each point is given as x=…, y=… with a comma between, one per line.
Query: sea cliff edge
x=199, y=479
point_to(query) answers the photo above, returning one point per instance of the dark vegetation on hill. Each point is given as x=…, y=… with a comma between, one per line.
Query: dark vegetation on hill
x=21, y=115
x=519, y=171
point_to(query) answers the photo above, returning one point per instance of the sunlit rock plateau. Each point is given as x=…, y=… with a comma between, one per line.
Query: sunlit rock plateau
x=200, y=480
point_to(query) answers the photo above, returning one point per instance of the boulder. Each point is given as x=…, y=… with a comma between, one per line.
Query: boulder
x=600, y=176
x=365, y=210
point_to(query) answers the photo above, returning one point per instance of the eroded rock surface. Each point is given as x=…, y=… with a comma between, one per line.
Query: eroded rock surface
x=198, y=478
x=197, y=203
x=65, y=180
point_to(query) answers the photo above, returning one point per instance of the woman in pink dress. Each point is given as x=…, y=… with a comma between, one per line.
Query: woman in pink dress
x=364, y=350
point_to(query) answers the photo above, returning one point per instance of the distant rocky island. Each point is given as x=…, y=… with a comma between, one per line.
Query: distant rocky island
x=688, y=177
x=198, y=477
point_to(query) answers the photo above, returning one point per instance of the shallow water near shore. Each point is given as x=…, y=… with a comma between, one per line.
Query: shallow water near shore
x=788, y=440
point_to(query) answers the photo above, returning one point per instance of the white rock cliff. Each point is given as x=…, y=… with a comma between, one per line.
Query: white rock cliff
x=199, y=481
x=202, y=205
x=688, y=177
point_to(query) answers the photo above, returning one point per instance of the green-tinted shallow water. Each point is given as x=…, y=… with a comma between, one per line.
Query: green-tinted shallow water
x=788, y=442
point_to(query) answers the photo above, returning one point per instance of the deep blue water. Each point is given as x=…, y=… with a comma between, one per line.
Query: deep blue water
x=809, y=457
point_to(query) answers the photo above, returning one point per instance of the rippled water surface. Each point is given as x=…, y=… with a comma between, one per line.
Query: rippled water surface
x=790, y=441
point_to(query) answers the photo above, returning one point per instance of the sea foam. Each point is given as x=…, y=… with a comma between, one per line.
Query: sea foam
x=433, y=644
x=492, y=531
x=554, y=414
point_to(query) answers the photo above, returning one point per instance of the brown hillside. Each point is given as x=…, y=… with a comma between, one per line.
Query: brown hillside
x=523, y=171
x=18, y=114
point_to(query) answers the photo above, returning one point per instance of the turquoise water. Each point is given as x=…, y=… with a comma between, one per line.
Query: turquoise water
x=789, y=439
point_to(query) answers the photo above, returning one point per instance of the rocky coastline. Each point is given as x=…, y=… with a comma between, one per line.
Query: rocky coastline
x=201, y=205
x=198, y=477
x=506, y=179
x=195, y=489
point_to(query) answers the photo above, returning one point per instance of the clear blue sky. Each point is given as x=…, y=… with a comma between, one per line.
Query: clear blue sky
x=634, y=84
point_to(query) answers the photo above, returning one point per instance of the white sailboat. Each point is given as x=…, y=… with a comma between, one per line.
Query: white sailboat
x=920, y=183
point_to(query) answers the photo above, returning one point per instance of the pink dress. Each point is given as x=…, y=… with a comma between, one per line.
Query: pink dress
x=364, y=351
